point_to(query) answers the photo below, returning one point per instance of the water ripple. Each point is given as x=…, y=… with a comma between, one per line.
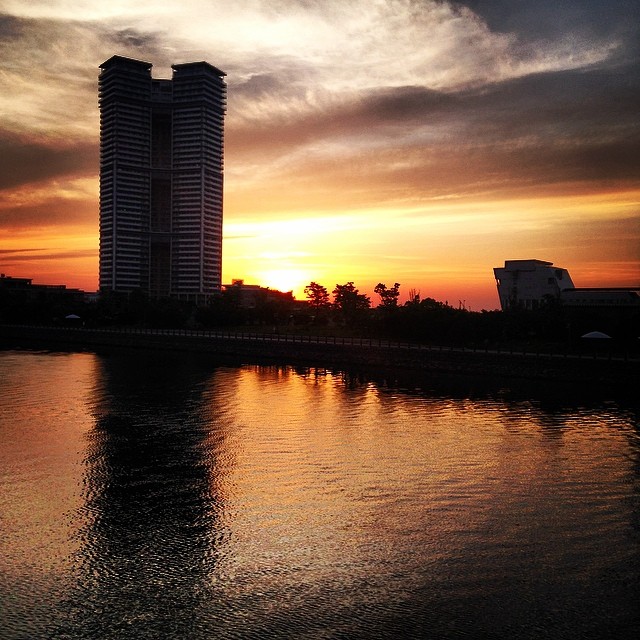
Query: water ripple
x=154, y=495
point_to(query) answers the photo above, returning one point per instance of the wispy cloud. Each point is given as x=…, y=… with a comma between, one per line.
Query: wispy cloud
x=18, y=256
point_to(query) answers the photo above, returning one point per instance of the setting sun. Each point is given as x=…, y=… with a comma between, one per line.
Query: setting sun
x=294, y=280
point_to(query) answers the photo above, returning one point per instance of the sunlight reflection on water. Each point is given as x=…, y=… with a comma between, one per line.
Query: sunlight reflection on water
x=147, y=496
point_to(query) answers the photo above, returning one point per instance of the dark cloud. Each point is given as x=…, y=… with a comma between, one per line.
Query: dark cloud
x=421, y=174
x=555, y=100
x=131, y=38
x=35, y=37
x=520, y=170
x=552, y=18
x=11, y=27
x=287, y=79
x=135, y=43
x=573, y=128
x=72, y=44
x=259, y=86
x=23, y=162
x=409, y=103
x=54, y=211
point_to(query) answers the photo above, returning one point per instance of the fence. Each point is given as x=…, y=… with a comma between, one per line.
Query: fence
x=334, y=341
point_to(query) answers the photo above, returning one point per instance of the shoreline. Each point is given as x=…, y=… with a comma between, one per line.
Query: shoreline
x=599, y=368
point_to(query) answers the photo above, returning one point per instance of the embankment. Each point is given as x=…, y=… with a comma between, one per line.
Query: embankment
x=597, y=367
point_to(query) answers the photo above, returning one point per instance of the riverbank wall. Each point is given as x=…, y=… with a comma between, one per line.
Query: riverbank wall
x=596, y=367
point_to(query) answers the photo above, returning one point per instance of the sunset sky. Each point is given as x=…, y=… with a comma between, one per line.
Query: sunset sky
x=413, y=141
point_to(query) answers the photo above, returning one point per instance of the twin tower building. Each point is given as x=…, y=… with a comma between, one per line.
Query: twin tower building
x=161, y=179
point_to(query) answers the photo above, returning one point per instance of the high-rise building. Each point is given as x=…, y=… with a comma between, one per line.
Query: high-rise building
x=161, y=178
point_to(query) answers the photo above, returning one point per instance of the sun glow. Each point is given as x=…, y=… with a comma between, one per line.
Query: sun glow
x=290, y=279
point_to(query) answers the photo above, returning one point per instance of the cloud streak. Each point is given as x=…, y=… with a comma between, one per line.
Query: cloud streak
x=25, y=161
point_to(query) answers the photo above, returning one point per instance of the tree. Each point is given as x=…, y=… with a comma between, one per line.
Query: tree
x=317, y=295
x=414, y=297
x=349, y=302
x=388, y=297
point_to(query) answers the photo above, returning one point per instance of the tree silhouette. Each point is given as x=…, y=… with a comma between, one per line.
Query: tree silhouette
x=349, y=302
x=388, y=297
x=317, y=295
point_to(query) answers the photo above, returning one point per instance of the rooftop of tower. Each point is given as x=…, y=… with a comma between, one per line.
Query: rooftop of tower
x=123, y=60
x=117, y=60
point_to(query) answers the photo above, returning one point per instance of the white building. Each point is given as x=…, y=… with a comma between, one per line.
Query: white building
x=161, y=178
x=528, y=283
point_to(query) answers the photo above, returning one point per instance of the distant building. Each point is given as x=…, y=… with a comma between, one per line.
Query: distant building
x=22, y=290
x=161, y=178
x=592, y=297
x=529, y=284
x=250, y=296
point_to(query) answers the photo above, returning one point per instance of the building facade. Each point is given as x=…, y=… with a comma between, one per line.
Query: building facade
x=161, y=178
x=528, y=283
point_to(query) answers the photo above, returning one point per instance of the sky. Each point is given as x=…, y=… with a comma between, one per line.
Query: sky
x=414, y=141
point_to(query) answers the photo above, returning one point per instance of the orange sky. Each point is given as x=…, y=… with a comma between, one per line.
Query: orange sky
x=404, y=141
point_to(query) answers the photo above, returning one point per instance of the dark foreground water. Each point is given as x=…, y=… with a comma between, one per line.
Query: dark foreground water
x=154, y=496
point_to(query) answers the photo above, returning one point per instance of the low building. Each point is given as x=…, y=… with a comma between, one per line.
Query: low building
x=23, y=290
x=23, y=301
x=592, y=297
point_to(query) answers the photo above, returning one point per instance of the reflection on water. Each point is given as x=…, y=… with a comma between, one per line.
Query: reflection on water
x=147, y=496
x=150, y=522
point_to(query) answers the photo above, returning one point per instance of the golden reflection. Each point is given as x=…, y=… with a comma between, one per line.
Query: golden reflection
x=168, y=490
x=333, y=472
x=43, y=438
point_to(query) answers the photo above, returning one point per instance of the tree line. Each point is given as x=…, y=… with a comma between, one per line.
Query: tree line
x=343, y=311
x=428, y=320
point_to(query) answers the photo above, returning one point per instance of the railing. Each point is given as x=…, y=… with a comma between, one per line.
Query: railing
x=370, y=343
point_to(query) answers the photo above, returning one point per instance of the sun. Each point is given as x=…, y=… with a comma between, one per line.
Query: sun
x=285, y=280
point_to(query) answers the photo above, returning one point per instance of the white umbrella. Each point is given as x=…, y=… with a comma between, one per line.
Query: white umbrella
x=598, y=335
x=72, y=316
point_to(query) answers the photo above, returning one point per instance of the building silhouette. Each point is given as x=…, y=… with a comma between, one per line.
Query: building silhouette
x=527, y=283
x=161, y=178
x=531, y=284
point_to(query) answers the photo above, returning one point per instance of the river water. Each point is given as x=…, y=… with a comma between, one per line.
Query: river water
x=161, y=496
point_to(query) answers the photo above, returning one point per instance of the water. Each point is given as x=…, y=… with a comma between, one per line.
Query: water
x=158, y=496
